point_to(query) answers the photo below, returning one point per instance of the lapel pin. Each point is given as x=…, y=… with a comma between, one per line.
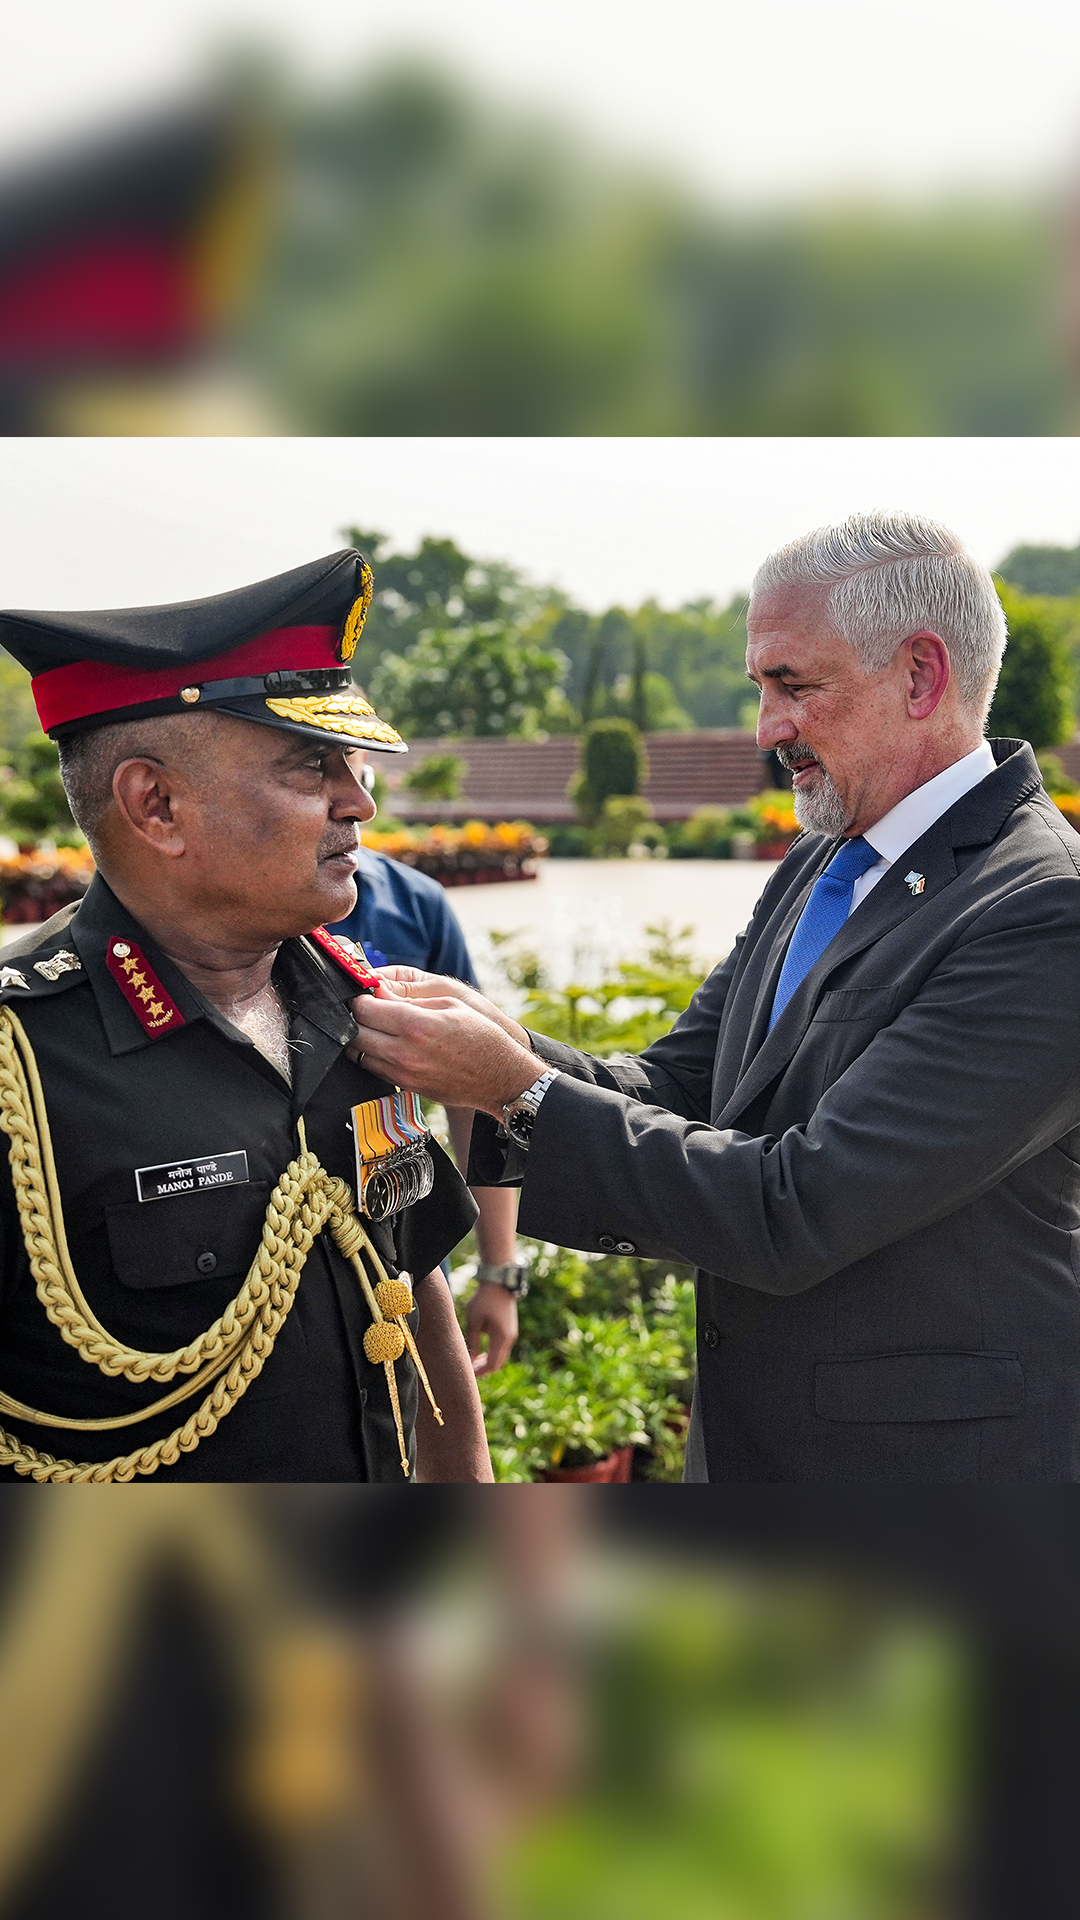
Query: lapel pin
x=62, y=962
x=916, y=881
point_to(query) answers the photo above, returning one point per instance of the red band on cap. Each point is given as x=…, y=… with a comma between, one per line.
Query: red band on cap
x=91, y=686
x=366, y=980
x=141, y=988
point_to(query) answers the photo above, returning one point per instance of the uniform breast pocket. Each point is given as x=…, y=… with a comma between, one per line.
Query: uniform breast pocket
x=187, y=1237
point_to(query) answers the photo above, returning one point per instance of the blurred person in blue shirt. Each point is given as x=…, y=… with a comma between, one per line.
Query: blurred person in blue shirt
x=403, y=919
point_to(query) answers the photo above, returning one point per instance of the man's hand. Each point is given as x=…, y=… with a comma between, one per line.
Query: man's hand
x=491, y=1311
x=444, y=1049
x=411, y=983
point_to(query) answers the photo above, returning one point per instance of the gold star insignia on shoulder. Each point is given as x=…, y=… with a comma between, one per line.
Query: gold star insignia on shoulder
x=11, y=977
x=916, y=881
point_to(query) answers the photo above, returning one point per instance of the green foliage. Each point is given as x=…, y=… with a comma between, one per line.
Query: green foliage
x=438, y=777
x=767, y=1743
x=625, y=821
x=1032, y=701
x=33, y=804
x=603, y=1360
x=472, y=682
x=696, y=674
x=439, y=588
x=613, y=761
x=623, y=1015
x=705, y=836
x=1054, y=777
x=440, y=265
x=18, y=714
x=1052, y=571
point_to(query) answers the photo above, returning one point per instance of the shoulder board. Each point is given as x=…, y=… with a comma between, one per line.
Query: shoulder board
x=348, y=956
x=141, y=988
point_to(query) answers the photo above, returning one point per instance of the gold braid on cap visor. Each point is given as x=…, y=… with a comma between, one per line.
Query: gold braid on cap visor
x=338, y=713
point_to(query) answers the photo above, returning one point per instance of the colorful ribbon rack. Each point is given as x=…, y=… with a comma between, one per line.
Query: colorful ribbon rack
x=393, y=1165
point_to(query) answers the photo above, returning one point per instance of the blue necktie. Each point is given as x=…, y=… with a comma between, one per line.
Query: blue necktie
x=822, y=917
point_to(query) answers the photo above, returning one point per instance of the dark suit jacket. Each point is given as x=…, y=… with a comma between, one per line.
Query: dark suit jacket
x=883, y=1194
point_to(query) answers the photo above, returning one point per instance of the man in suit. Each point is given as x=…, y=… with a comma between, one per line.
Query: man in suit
x=865, y=1129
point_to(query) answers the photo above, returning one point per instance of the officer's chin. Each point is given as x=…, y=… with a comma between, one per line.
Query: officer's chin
x=337, y=886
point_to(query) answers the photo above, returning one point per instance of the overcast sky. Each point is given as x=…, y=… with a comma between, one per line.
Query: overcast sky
x=777, y=100
x=107, y=523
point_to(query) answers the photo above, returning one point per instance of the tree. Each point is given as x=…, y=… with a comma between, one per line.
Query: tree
x=33, y=804
x=438, y=777
x=1032, y=701
x=473, y=682
x=613, y=761
x=1045, y=570
x=438, y=588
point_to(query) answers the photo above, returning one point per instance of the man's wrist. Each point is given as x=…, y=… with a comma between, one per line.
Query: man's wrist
x=518, y=1079
x=512, y=1276
x=519, y=1114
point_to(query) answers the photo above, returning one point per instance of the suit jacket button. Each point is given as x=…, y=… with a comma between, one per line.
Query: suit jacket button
x=206, y=1262
x=606, y=1242
x=625, y=1246
x=711, y=1334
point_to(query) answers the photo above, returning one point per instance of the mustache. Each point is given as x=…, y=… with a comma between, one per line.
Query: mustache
x=330, y=847
x=790, y=756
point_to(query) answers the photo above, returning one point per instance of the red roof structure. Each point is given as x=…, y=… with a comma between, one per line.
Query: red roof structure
x=527, y=779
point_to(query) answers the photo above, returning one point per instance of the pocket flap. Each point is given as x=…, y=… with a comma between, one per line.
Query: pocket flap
x=189, y=1237
x=888, y=1387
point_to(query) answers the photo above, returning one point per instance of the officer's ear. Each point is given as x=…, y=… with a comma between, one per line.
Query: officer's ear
x=143, y=793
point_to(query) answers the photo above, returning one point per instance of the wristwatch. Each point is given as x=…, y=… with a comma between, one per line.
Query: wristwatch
x=513, y=1277
x=519, y=1117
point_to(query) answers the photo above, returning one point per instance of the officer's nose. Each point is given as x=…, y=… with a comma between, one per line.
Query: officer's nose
x=351, y=800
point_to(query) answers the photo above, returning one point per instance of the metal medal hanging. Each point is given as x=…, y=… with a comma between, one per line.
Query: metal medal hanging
x=393, y=1165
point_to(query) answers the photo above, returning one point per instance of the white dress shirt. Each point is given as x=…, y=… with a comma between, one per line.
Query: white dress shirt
x=905, y=823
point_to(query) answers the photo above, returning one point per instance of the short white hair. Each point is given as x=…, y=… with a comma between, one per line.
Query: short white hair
x=893, y=574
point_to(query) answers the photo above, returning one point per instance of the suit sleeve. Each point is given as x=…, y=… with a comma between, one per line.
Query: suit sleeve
x=674, y=1073
x=977, y=1074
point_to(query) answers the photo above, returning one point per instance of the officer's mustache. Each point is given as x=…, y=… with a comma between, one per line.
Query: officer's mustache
x=350, y=843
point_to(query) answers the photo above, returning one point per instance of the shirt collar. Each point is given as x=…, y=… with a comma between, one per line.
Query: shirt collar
x=916, y=813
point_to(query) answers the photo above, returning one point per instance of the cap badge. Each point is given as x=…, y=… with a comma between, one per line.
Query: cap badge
x=149, y=1002
x=916, y=881
x=11, y=977
x=62, y=962
x=357, y=614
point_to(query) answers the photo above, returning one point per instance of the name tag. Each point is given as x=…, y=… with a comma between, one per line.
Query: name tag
x=191, y=1176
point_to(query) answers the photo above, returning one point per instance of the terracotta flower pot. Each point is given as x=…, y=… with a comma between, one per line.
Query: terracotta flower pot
x=614, y=1470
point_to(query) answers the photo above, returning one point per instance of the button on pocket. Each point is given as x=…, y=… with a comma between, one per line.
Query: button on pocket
x=606, y=1242
x=188, y=1237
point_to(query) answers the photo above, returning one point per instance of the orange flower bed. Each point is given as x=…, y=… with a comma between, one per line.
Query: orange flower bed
x=473, y=855
x=35, y=884
x=1069, y=805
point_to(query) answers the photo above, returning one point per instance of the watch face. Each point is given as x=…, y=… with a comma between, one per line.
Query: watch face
x=519, y=1126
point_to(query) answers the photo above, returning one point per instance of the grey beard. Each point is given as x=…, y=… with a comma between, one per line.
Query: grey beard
x=821, y=810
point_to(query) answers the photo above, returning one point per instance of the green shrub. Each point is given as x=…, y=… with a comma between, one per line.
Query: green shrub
x=613, y=761
x=705, y=836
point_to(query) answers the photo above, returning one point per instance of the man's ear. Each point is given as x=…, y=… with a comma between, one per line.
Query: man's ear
x=144, y=792
x=929, y=673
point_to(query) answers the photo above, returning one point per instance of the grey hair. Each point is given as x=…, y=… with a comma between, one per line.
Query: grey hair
x=892, y=574
x=88, y=760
